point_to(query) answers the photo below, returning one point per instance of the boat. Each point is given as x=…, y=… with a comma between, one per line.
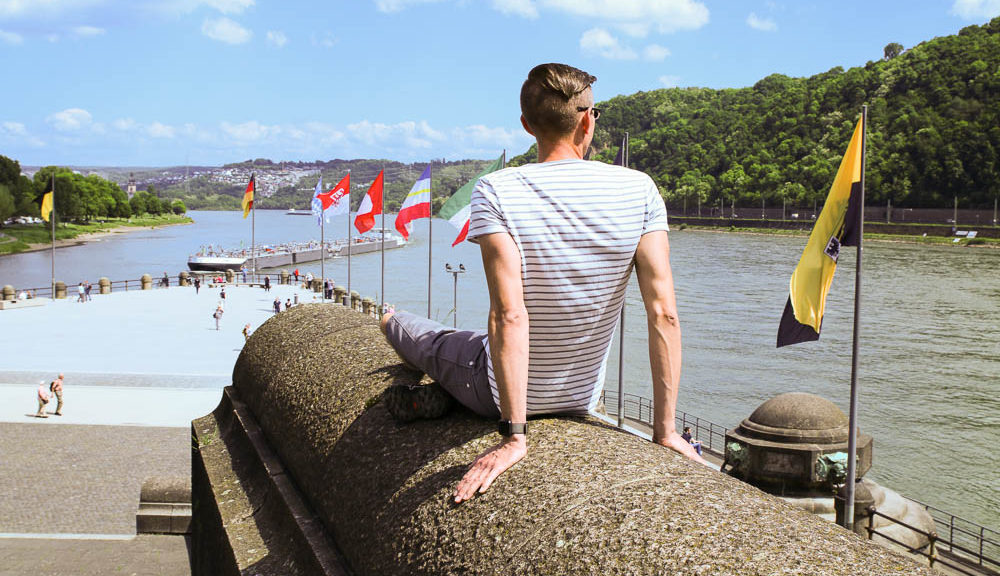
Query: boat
x=294, y=212
x=369, y=242
x=215, y=259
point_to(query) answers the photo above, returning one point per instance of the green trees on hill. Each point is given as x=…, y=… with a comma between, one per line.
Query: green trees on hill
x=934, y=130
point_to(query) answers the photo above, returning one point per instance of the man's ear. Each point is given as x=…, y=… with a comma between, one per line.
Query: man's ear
x=527, y=128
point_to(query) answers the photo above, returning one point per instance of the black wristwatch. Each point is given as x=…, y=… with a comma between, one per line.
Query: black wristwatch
x=508, y=428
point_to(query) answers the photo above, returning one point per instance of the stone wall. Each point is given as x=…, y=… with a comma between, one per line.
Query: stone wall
x=302, y=471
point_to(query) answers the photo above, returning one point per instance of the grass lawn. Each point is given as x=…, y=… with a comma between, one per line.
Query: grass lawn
x=17, y=237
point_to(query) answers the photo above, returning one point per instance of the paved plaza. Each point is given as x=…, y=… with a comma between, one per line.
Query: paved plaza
x=139, y=366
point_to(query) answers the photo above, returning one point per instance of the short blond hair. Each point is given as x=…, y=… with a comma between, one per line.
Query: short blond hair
x=550, y=97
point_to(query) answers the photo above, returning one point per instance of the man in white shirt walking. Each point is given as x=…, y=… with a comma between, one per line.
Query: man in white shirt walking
x=559, y=240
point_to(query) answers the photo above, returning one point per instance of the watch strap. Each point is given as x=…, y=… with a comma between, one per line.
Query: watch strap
x=508, y=428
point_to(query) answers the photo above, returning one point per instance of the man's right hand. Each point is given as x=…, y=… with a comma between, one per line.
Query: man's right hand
x=674, y=441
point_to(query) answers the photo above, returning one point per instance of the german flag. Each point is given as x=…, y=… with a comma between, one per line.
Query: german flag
x=837, y=226
x=248, y=197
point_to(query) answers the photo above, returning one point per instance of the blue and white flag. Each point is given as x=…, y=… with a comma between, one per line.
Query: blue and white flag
x=317, y=204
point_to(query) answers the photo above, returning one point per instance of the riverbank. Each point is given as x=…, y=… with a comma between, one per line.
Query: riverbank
x=977, y=242
x=21, y=238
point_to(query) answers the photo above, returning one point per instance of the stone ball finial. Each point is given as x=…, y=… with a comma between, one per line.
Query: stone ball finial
x=799, y=418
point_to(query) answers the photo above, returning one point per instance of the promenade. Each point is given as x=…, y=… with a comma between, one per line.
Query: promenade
x=138, y=366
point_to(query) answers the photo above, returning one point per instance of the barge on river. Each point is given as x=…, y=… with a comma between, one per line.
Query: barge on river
x=216, y=259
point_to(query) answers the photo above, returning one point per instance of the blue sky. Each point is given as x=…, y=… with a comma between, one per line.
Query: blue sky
x=169, y=82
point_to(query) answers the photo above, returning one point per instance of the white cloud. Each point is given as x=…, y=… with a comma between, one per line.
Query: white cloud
x=124, y=124
x=88, y=31
x=600, y=42
x=11, y=9
x=230, y=6
x=70, y=119
x=327, y=40
x=248, y=132
x=15, y=133
x=225, y=30
x=11, y=38
x=655, y=53
x=762, y=24
x=525, y=8
x=398, y=5
x=976, y=9
x=670, y=81
x=276, y=38
x=13, y=128
x=158, y=130
x=409, y=134
x=635, y=16
x=53, y=38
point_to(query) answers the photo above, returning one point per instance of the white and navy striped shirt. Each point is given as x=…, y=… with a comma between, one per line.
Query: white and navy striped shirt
x=577, y=225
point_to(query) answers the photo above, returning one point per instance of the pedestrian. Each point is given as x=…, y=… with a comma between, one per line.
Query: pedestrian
x=197, y=284
x=86, y=290
x=222, y=294
x=244, y=271
x=165, y=282
x=79, y=292
x=267, y=283
x=43, y=400
x=217, y=315
x=277, y=305
x=246, y=332
x=288, y=304
x=296, y=275
x=56, y=387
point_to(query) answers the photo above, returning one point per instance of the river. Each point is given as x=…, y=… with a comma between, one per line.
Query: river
x=930, y=336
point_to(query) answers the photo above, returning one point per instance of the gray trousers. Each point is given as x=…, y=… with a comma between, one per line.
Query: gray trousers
x=455, y=359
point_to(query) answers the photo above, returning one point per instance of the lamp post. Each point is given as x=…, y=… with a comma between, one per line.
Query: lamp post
x=455, y=272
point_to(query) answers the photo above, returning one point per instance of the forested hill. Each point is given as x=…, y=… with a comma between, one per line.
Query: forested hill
x=933, y=118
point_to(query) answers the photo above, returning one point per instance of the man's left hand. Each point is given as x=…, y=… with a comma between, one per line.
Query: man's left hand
x=489, y=465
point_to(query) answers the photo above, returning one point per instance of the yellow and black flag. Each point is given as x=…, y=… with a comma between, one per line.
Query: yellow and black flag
x=47, y=201
x=837, y=226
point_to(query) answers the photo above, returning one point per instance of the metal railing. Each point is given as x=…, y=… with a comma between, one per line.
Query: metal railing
x=639, y=408
x=965, y=539
x=961, y=558
x=158, y=282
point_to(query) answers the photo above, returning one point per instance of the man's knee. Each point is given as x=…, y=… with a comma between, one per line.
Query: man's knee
x=385, y=321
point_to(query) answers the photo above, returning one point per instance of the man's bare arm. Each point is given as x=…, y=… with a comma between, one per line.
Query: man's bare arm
x=656, y=282
x=508, y=334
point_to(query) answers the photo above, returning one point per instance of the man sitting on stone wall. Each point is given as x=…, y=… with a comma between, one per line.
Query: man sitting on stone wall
x=559, y=240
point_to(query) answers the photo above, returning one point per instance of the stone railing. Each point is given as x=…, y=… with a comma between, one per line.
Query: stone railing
x=300, y=470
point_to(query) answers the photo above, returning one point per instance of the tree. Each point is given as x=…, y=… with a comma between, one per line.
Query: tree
x=178, y=207
x=138, y=204
x=892, y=50
x=6, y=203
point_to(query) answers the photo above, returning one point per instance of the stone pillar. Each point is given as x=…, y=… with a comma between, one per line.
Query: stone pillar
x=8, y=292
x=317, y=285
x=863, y=499
x=147, y=282
x=340, y=295
x=61, y=290
x=183, y=278
x=230, y=276
x=284, y=277
x=368, y=306
x=355, y=300
x=104, y=285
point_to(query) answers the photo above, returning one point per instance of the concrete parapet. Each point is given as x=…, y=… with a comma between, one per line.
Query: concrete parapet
x=60, y=290
x=104, y=285
x=164, y=506
x=146, y=281
x=301, y=470
x=367, y=306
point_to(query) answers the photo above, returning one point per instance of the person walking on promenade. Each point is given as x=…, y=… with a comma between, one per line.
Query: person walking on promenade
x=246, y=332
x=165, y=282
x=267, y=283
x=277, y=305
x=43, y=400
x=288, y=304
x=56, y=387
x=222, y=294
x=217, y=315
x=86, y=290
x=296, y=273
x=243, y=271
x=80, y=293
x=543, y=230
x=197, y=285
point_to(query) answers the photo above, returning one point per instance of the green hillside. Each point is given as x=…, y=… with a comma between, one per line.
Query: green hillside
x=934, y=131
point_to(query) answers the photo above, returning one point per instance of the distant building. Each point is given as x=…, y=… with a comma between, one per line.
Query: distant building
x=131, y=185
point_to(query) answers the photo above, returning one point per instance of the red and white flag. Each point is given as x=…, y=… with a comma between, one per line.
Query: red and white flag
x=371, y=205
x=337, y=200
x=417, y=204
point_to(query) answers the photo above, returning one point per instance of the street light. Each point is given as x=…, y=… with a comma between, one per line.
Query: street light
x=455, y=272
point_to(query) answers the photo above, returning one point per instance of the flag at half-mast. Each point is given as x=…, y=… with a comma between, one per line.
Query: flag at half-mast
x=371, y=205
x=836, y=226
x=338, y=200
x=457, y=209
x=417, y=204
x=248, y=196
x=47, y=206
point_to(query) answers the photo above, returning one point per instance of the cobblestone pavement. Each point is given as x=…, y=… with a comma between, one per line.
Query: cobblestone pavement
x=82, y=479
x=145, y=555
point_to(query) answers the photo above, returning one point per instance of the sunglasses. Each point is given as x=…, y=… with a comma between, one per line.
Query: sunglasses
x=596, y=111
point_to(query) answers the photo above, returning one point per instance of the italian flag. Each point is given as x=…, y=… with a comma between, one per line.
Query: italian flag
x=417, y=204
x=457, y=209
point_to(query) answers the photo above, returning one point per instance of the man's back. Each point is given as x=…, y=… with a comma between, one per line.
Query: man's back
x=576, y=225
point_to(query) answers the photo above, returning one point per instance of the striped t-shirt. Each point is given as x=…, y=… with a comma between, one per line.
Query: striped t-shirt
x=577, y=225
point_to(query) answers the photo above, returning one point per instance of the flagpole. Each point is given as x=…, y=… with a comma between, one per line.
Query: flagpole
x=852, y=433
x=322, y=247
x=621, y=326
x=350, y=246
x=52, y=216
x=253, y=225
x=430, y=242
x=381, y=303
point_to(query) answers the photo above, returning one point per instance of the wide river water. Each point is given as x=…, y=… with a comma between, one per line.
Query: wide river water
x=930, y=337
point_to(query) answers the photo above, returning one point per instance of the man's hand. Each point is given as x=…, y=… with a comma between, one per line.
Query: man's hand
x=489, y=465
x=674, y=441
